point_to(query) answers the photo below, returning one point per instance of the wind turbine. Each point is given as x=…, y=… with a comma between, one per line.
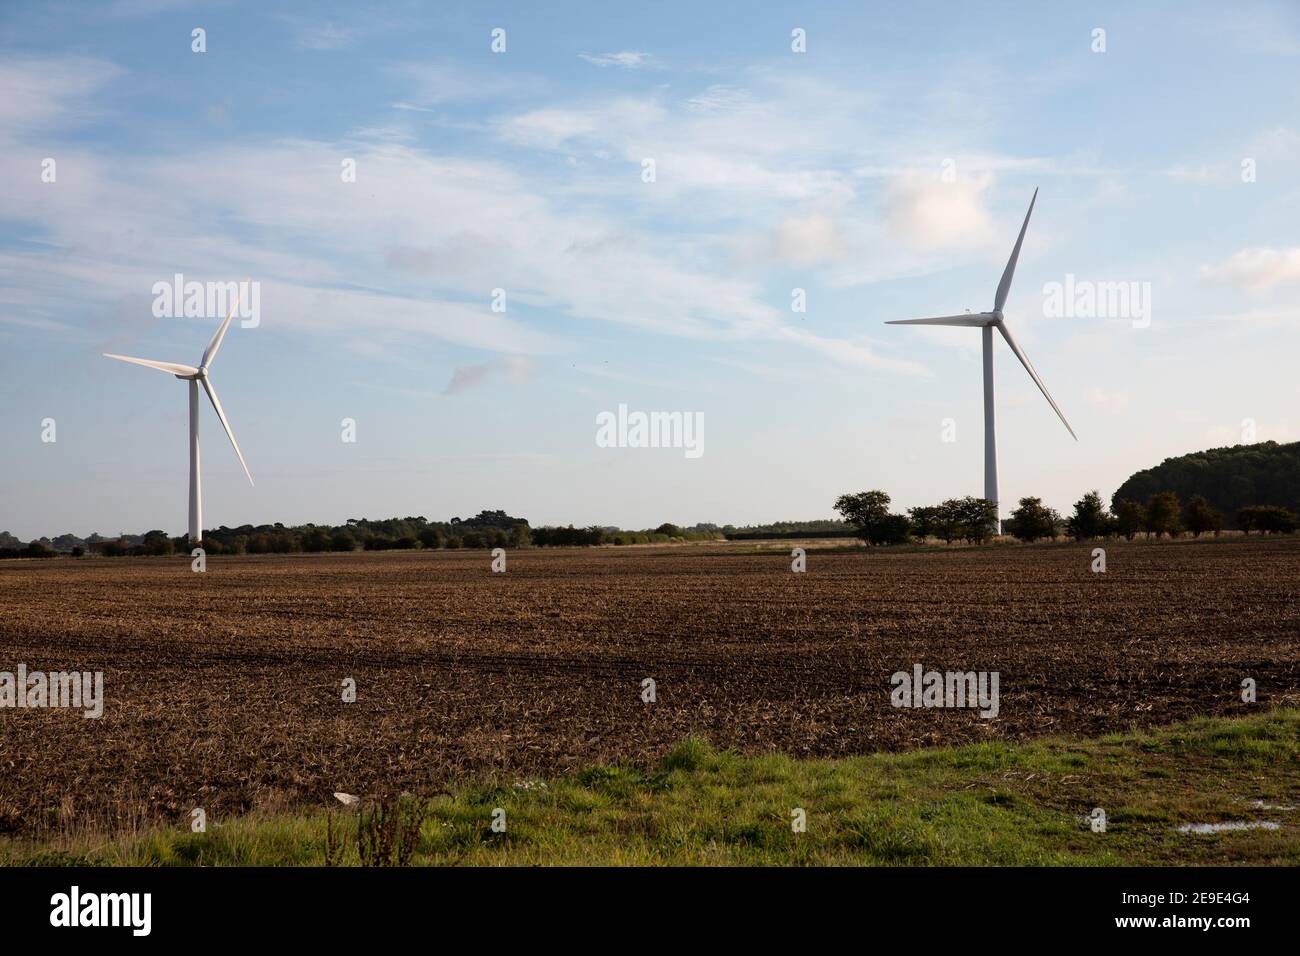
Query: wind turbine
x=988, y=321
x=196, y=377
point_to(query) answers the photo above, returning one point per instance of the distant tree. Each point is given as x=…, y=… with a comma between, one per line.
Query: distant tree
x=864, y=509
x=895, y=529
x=868, y=511
x=431, y=538
x=1277, y=519
x=110, y=548
x=976, y=517
x=471, y=539
x=1130, y=518
x=38, y=549
x=1200, y=517
x=521, y=536
x=1032, y=520
x=78, y=551
x=1267, y=518
x=157, y=543
x=669, y=529
x=1162, y=515
x=949, y=521
x=406, y=543
x=1090, y=519
x=316, y=539
x=925, y=521
x=66, y=542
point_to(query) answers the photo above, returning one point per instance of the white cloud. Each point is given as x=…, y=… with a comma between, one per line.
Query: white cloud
x=627, y=59
x=929, y=213
x=807, y=240
x=1256, y=269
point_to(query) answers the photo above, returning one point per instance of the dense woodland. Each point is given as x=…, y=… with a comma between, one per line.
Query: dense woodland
x=1229, y=479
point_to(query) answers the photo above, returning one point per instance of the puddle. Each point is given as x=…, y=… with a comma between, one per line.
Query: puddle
x=1261, y=805
x=1230, y=825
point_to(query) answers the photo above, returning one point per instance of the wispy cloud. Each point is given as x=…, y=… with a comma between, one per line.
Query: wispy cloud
x=45, y=92
x=1257, y=269
x=438, y=83
x=516, y=368
x=627, y=59
x=325, y=36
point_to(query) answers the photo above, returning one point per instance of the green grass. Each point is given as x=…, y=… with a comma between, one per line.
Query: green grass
x=993, y=803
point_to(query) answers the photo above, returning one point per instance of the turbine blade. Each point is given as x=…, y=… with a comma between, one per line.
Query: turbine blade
x=1004, y=287
x=207, y=387
x=1024, y=360
x=171, y=368
x=975, y=318
x=210, y=352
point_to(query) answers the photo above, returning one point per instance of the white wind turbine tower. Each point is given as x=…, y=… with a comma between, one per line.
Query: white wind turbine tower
x=988, y=321
x=196, y=377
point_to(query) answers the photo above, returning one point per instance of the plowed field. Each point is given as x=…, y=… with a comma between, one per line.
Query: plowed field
x=224, y=689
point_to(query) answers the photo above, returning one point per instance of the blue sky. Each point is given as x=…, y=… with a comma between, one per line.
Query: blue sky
x=884, y=171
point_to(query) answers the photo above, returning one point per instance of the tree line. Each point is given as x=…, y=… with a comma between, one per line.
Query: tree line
x=973, y=520
x=487, y=529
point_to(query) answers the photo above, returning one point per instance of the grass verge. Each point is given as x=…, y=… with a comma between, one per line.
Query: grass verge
x=994, y=803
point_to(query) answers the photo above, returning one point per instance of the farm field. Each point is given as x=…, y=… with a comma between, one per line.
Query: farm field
x=224, y=690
